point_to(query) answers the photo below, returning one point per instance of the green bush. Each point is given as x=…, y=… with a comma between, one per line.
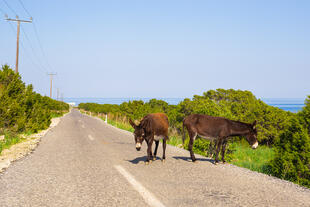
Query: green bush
x=305, y=114
x=292, y=158
x=232, y=104
x=22, y=109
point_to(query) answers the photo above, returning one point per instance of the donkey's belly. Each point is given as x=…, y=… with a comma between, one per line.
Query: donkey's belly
x=157, y=138
x=207, y=137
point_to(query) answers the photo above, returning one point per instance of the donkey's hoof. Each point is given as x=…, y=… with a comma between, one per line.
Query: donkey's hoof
x=147, y=162
x=163, y=160
x=154, y=158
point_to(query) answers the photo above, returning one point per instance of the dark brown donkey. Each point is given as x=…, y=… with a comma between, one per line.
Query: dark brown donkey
x=152, y=127
x=218, y=129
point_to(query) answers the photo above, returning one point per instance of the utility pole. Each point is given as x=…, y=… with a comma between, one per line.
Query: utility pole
x=18, y=30
x=57, y=94
x=51, y=76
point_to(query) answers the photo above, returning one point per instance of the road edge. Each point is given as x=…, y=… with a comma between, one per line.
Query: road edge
x=25, y=147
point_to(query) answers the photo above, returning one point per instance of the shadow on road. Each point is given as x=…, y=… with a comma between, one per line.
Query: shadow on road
x=188, y=159
x=137, y=160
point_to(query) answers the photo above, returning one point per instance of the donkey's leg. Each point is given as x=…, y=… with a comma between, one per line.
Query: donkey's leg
x=147, y=144
x=164, y=148
x=214, y=147
x=219, y=143
x=223, y=150
x=192, y=136
x=149, y=151
x=211, y=149
x=155, y=151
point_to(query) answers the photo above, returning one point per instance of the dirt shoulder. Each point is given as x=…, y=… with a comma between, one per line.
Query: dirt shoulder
x=25, y=147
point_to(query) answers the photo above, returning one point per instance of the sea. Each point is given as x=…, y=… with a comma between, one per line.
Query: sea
x=287, y=104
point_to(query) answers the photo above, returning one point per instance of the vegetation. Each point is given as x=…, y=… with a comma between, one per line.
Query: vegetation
x=233, y=104
x=283, y=136
x=23, y=110
x=8, y=140
x=304, y=115
x=292, y=159
x=256, y=160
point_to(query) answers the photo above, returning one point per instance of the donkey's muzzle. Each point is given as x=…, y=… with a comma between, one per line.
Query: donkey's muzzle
x=254, y=146
x=138, y=146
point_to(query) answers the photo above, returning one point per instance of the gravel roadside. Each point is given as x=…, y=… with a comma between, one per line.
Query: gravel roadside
x=25, y=147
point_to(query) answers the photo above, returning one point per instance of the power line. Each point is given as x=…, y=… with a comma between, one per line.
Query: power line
x=36, y=66
x=24, y=8
x=31, y=60
x=6, y=3
x=12, y=27
x=39, y=67
x=17, y=42
x=2, y=11
x=40, y=44
x=37, y=35
x=32, y=48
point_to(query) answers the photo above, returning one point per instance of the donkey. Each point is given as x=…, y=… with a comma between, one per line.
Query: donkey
x=217, y=129
x=152, y=127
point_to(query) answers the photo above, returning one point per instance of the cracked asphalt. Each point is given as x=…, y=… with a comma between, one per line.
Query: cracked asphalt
x=75, y=165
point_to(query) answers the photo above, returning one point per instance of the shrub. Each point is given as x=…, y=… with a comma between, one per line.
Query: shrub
x=305, y=114
x=232, y=104
x=292, y=158
x=22, y=109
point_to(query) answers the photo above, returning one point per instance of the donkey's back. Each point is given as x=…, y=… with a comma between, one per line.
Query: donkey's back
x=156, y=123
x=207, y=126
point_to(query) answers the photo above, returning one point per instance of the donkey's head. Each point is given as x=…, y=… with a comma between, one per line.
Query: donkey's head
x=138, y=133
x=252, y=136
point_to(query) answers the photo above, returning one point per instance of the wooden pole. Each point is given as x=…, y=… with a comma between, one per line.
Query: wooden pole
x=17, y=47
x=51, y=77
x=17, y=41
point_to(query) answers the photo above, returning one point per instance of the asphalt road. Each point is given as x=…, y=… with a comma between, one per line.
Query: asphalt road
x=85, y=162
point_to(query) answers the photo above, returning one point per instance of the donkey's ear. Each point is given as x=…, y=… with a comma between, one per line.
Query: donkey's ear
x=132, y=123
x=254, y=124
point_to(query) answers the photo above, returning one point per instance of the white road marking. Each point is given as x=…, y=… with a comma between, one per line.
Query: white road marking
x=90, y=137
x=147, y=195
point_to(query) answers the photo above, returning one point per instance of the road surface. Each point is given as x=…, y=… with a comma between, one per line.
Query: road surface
x=85, y=162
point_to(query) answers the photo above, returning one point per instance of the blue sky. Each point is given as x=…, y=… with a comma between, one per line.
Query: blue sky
x=162, y=48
